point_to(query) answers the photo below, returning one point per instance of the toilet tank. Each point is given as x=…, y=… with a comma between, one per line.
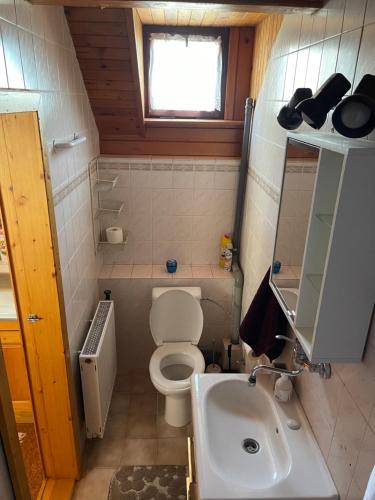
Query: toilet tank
x=195, y=291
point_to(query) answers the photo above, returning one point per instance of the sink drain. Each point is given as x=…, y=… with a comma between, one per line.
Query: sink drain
x=250, y=445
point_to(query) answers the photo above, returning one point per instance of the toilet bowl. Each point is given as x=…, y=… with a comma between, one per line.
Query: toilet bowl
x=176, y=323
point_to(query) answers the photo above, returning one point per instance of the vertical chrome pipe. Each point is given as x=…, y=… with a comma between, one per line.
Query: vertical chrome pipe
x=241, y=192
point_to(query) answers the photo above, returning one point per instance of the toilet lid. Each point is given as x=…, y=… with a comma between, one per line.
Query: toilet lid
x=176, y=316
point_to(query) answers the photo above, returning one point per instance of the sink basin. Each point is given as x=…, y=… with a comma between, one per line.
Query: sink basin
x=244, y=447
x=290, y=296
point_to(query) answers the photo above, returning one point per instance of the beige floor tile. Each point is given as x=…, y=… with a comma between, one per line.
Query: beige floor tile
x=139, y=452
x=165, y=430
x=172, y=451
x=160, y=404
x=141, y=426
x=116, y=426
x=119, y=404
x=94, y=485
x=135, y=382
x=142, y=404
x=105, y=452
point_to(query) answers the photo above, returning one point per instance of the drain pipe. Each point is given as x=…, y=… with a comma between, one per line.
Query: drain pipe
x=241, y=191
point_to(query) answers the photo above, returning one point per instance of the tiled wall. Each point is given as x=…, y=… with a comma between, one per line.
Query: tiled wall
x=174, y=208
x=37, y=54
x=308, y=49
x=294, y=215
x=131, y=288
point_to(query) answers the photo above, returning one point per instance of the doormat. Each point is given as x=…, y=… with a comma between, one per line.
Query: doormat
x=149, y=482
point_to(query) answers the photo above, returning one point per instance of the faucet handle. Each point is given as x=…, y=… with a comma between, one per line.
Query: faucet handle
x=298, y=353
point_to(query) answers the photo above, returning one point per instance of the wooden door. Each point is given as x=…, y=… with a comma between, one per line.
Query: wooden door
x=24, y=196
x=20, y=409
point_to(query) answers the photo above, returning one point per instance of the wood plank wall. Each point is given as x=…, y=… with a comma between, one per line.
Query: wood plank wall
x=109, y=49
x=265, y=35
x=105, y=46
x=240, y=61
x=179, y=138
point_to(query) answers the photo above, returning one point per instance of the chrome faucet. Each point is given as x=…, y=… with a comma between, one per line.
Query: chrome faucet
x=300, y=360
x=272, y=369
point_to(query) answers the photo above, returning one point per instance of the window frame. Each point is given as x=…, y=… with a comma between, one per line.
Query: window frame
x=185, y=30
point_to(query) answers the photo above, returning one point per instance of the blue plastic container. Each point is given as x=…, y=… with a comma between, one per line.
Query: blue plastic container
x=171, y=265
x=276, y=267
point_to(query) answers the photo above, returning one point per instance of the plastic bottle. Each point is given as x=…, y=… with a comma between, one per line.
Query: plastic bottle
x=225, y=241
x=283, y=389
x=228, y=257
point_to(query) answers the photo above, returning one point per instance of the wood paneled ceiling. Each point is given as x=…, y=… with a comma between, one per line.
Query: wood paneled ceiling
x=199, y=17
x=105, y=44
x=268, y=6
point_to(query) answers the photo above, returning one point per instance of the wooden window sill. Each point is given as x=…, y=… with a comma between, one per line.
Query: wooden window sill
x=192, y=123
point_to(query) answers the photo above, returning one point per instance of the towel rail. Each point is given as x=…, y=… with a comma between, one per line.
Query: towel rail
x=69, y=144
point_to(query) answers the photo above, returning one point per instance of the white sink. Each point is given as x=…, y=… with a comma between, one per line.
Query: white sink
x=288, y=464
x=290, y=296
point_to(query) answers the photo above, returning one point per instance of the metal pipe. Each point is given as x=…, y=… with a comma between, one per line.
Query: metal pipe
x=236, y=238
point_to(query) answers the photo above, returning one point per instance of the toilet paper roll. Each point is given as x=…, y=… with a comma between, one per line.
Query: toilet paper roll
x=114, y=234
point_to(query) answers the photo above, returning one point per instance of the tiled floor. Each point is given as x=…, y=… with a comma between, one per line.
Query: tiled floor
x=136, y=434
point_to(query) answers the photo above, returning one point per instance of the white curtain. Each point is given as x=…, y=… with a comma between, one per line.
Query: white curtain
x=185, y=72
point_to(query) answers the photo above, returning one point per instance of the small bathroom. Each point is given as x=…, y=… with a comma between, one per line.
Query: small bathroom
x=186, y=250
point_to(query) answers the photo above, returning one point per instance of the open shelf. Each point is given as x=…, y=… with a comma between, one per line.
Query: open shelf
x=110, y=208
x=325, y=218
x=107, y=244
x=106, y=183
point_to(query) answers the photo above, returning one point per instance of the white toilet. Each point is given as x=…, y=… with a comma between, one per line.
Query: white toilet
x=176, y=323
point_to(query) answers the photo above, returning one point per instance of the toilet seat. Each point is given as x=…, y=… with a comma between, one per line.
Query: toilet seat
x=175, y=353
x=176, y=317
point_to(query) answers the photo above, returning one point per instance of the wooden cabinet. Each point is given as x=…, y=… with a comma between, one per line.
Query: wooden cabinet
x=327, y=264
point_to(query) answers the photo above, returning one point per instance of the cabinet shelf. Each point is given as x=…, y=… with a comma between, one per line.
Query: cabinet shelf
x=325, y=218
x=315, y=280
x=106, y=183
x=333, y=242
x=111, y=208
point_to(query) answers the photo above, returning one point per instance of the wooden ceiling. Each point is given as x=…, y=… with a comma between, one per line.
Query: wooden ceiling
x=267, y=6
x=104, y=40
x=199, y=17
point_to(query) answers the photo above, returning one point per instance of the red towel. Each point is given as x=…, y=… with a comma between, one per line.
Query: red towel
x=263, y=321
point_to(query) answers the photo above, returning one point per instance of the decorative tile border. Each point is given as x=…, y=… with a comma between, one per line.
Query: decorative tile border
x=263, y=184
x=65, y=190
x=175, y=164
x=301, y=167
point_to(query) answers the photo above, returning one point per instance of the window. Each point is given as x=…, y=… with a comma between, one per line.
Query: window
x=185, y=71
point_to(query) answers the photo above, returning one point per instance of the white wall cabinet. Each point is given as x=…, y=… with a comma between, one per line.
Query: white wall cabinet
x=325, y=241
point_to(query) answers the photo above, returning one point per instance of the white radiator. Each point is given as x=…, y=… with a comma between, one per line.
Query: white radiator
x=98, y=366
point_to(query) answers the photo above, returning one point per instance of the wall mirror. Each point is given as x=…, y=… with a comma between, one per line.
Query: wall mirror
x=295, y=204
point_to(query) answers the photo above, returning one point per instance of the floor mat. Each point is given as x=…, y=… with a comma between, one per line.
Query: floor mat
x=151, y=482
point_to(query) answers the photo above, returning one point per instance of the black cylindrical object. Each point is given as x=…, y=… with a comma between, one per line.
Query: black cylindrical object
x=315, y=109
x=289, y=117
x=107, y=294
x=354, y=116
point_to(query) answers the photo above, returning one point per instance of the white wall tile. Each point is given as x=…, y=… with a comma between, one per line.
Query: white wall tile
x=341, y=410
